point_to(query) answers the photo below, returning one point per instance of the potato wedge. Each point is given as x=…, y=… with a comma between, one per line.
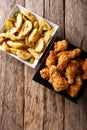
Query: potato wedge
x=26, y=28
x=36, y=24
x=5, y=47
x=1, y=40
x=31, y=60
x=47, y=35
x=23, y=54
x=5, y=35
x=36, y=55
x=8, y=24
x=12, y=30
x=19, y=21
x=15, y=45
x=31, y=45
x=29, y=15
x=39, y=46
x=16, y=38
x=34, y=36
x=13, y=50
x=44, y=24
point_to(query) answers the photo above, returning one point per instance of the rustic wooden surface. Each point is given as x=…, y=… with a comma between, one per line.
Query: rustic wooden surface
x=26, y=105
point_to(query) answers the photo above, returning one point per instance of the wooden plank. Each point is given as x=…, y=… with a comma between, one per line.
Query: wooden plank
x=11, y=83
x=76, y=22
x=34, y=101
x=76, y=33
x=54, y=11
x=54, y=103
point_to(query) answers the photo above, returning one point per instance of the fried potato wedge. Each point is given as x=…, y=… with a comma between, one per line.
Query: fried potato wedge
x=34, y=36
x=44, y=24
x=26, y=28
x=1, y=40
x=16, y=38
x=8, y=24
x=13, y=50
x=39, y=46
x=29, y=44
x=35, y=55
x=5, y=35
x=23, y=54
x=12, y=30
x=6, y=47
x=29, y=15
x=47, y=35
x=36, y=24
x=31, y=60
x=15, y=45
x=19, y=21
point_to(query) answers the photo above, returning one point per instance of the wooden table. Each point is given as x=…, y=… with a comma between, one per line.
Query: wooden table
x=25, y=104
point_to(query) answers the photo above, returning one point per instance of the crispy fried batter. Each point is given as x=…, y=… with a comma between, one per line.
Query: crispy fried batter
x=60, y=46
x=71, y=71
x=59, y=83
x=64, y=70
x=51, y=59
x=65, y=56
x=84, y=76
x=75, y=87
x=44, y=73
x=84, y=68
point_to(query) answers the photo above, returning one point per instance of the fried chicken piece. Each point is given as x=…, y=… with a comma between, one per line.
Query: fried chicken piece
x=80, y=61
x=71, y=71
x=65, y=56
x=51, y=59
x=84, y=76
x=75, y=87
x=60, y=46
x=44, y=73
x=59, y=83
x=84, y=68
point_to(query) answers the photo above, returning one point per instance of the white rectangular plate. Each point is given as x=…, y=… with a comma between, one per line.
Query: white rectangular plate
x=20, y=8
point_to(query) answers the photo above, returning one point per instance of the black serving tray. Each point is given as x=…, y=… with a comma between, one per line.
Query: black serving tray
x=45, y=83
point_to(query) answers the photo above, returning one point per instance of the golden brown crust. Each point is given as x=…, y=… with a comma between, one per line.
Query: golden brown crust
x=51, y=59
x=71, y=71
x=75, y=87
x=59, y=83
x=60, y=46
x=44, y=73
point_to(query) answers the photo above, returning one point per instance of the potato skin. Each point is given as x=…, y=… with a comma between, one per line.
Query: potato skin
x=6, y=47
x=23, y=54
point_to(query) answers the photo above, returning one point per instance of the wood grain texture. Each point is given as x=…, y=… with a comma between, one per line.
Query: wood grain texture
x=54, y=11
x=27, y=105
x=34, y=100
x=11, y=82
x=54, y=104
x=76, y=22
x=76, y=33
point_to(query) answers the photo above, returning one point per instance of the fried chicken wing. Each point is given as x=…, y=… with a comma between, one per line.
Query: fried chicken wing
x=71, y=71
x=44, y=73
x=60, y=46
x=84, y=76
x=84, y=68
x=51, y=59
x=74, y=53
x=59, y=83
x=75, y=87
x=65, y=56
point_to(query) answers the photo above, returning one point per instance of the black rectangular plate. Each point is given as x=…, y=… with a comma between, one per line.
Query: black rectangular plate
x=45, y=83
